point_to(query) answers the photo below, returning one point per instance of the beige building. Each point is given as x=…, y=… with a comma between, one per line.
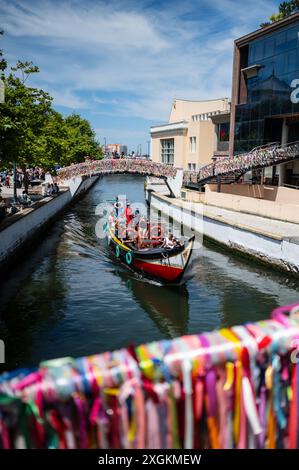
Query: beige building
x=188, y=140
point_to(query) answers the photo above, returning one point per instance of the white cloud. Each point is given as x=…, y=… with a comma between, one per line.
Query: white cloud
x=143, y=55
x=99, y=25
x=68, y=99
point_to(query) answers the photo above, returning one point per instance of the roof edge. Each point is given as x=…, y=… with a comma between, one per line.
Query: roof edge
x=263, y=31
x=203, y=101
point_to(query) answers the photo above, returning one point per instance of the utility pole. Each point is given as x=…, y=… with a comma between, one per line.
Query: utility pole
x=148, y=148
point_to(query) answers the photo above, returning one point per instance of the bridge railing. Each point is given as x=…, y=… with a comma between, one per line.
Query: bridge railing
x=122, y=165
x=232, y=388
x=259, y=157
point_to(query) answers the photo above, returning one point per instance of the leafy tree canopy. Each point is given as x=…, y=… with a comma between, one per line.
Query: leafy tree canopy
x=285, y=9
x=31, y=131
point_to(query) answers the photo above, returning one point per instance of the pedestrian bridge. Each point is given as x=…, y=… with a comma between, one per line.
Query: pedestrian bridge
x=123, y=165
x=229, y=170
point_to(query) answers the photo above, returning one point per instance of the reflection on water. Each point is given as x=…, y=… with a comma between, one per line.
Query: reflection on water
x=68, y=297
x=168, y=307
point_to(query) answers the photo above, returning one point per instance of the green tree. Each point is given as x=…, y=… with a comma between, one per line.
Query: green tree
x=81, y=140
x=285, y=9
x=22, y=116
x=50, y=148
x=32, y=133
x=65, y=141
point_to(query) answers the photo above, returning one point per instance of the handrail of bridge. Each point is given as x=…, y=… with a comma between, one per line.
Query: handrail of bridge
x=259, y=157
x=122, y=165
x=232, y=388
x=260, y=147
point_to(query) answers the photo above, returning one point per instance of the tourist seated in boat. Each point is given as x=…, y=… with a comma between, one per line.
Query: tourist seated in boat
x=112, y=221
x=137, y=216
x=169, y=242
x=137, y=237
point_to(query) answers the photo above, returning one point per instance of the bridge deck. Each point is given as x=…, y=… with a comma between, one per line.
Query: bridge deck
x=123, y=165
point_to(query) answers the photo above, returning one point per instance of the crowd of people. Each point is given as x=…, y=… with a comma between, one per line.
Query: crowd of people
x=6, y=209
x=257, y=158
x=116, y=155
x=33, y=175
x=51, y=189
x=134, y=228
x=125, y=165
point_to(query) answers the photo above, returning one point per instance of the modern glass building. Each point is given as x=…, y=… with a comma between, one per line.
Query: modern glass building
x=265, y=91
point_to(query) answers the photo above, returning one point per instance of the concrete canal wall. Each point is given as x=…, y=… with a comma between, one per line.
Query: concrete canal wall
x=270, y=241
x=265, y=201
x=20, y=230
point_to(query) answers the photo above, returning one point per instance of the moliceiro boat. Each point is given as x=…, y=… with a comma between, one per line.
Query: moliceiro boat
x=149, y=256
x=156, y=262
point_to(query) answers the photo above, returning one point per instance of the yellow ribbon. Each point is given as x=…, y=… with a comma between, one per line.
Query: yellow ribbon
x=232, y=337
x=238, y=387
x=229, y=376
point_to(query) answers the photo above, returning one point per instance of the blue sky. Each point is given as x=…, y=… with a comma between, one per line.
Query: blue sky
x=120, y=63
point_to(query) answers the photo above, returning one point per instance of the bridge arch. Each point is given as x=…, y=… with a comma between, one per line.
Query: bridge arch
x=122, y=165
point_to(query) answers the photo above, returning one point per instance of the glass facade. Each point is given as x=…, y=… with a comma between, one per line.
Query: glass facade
x=259, y=120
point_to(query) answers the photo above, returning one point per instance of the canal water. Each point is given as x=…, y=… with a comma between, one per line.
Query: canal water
x=68, y=297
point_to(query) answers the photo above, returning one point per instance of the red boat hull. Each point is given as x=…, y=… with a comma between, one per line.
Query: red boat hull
x=159, y=271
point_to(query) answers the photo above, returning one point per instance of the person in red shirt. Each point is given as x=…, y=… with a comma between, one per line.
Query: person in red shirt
x=128, y=214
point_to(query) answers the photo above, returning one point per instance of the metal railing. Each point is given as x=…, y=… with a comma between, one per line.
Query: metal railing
x=259, y=157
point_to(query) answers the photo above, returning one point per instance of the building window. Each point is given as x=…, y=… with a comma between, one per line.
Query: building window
x=192, y=166
x=167, y=151
x=192, y=144
x=223, y=132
